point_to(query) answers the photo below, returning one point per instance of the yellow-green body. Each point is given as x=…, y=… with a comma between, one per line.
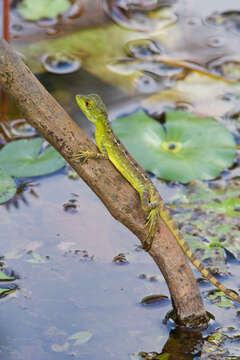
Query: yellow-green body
x=111, y=148
x=109, y=144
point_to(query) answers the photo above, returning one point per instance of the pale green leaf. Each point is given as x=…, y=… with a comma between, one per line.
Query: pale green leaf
x=36, y=259
x=23, y=158
x=35, y=10
x=7, y=187
x=81, y=337
x=4, y=277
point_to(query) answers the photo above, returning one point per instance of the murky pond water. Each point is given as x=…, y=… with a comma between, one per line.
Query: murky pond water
x=81, y=275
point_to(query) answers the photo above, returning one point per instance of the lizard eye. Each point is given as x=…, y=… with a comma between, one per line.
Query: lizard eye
x=87, y=103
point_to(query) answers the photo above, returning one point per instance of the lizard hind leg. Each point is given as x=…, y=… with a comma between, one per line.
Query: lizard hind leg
x=152, y=206
x=153, y=225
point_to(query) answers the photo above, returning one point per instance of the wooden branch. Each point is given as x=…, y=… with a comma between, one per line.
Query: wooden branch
x=43, y=112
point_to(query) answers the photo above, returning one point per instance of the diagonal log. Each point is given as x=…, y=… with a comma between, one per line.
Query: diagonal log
x=50, y=120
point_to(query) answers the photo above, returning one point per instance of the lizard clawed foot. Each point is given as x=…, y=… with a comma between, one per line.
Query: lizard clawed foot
x=85, y=155
x=82, y=155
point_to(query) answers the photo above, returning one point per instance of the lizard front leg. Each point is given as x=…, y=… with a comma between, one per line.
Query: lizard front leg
x=85, y=155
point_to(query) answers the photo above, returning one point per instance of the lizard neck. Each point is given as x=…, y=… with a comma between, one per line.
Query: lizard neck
x=102, y=122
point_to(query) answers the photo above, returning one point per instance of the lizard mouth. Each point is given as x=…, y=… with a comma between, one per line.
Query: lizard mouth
x=80, y=101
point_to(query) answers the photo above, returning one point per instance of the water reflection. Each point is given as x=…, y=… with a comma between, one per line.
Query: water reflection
x=181, y=345
x=230, y=20
x=139, y=49
x=141, y=15
x=60, y=63
x=12, y=127
x=227, y=66
x=24, y=189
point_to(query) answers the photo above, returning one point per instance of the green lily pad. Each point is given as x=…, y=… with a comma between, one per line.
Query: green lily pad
x=22, y=158
x=35, y=10
x=191, y=148
x=7, y=187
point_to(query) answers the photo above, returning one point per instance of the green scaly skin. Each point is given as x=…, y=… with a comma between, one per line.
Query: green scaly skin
x=112, y=149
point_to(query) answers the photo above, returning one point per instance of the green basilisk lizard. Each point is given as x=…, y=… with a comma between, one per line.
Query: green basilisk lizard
x=111, y=148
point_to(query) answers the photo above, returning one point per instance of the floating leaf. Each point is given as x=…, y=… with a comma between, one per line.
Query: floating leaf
x=37, y=259
x=164, y=356
x=208, y=230
x=5, y=277
x=7, y=289
x=154, y=356
x=216, y=337
x=35, y=10
x=22, y=158
x=212, y=256
x=190, y=148
x=134, y=357
x=219, y=298
x=229, y=206
x=7, y=187
x=81, y=337
x=60, y=348
x=154, y=299
x=222, y=343
x=4, y=291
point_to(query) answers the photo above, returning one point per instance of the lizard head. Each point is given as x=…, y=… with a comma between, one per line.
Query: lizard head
x=92, y=106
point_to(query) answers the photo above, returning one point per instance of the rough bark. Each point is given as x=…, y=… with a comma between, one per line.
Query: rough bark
x=50, y=120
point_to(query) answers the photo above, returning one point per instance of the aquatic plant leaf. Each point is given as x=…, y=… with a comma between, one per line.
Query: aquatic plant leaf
x=212, y=256
x=6, y=289
x=190, y=148
x=35, y=10
x=81, y=337
x=7, y=187
x=219, y=298
x=154, y=356
x=60, y=348
x=207, y=230
x=222, y=343
x=36, y=259
x=4, y=277
x=164, y=356
x=229, y=206
x=154, y=299
x=22, y=158
x=4, y=292
x=134, y=357
x=216, y=337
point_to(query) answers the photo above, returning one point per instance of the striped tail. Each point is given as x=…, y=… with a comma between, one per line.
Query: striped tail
x=167, y=219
